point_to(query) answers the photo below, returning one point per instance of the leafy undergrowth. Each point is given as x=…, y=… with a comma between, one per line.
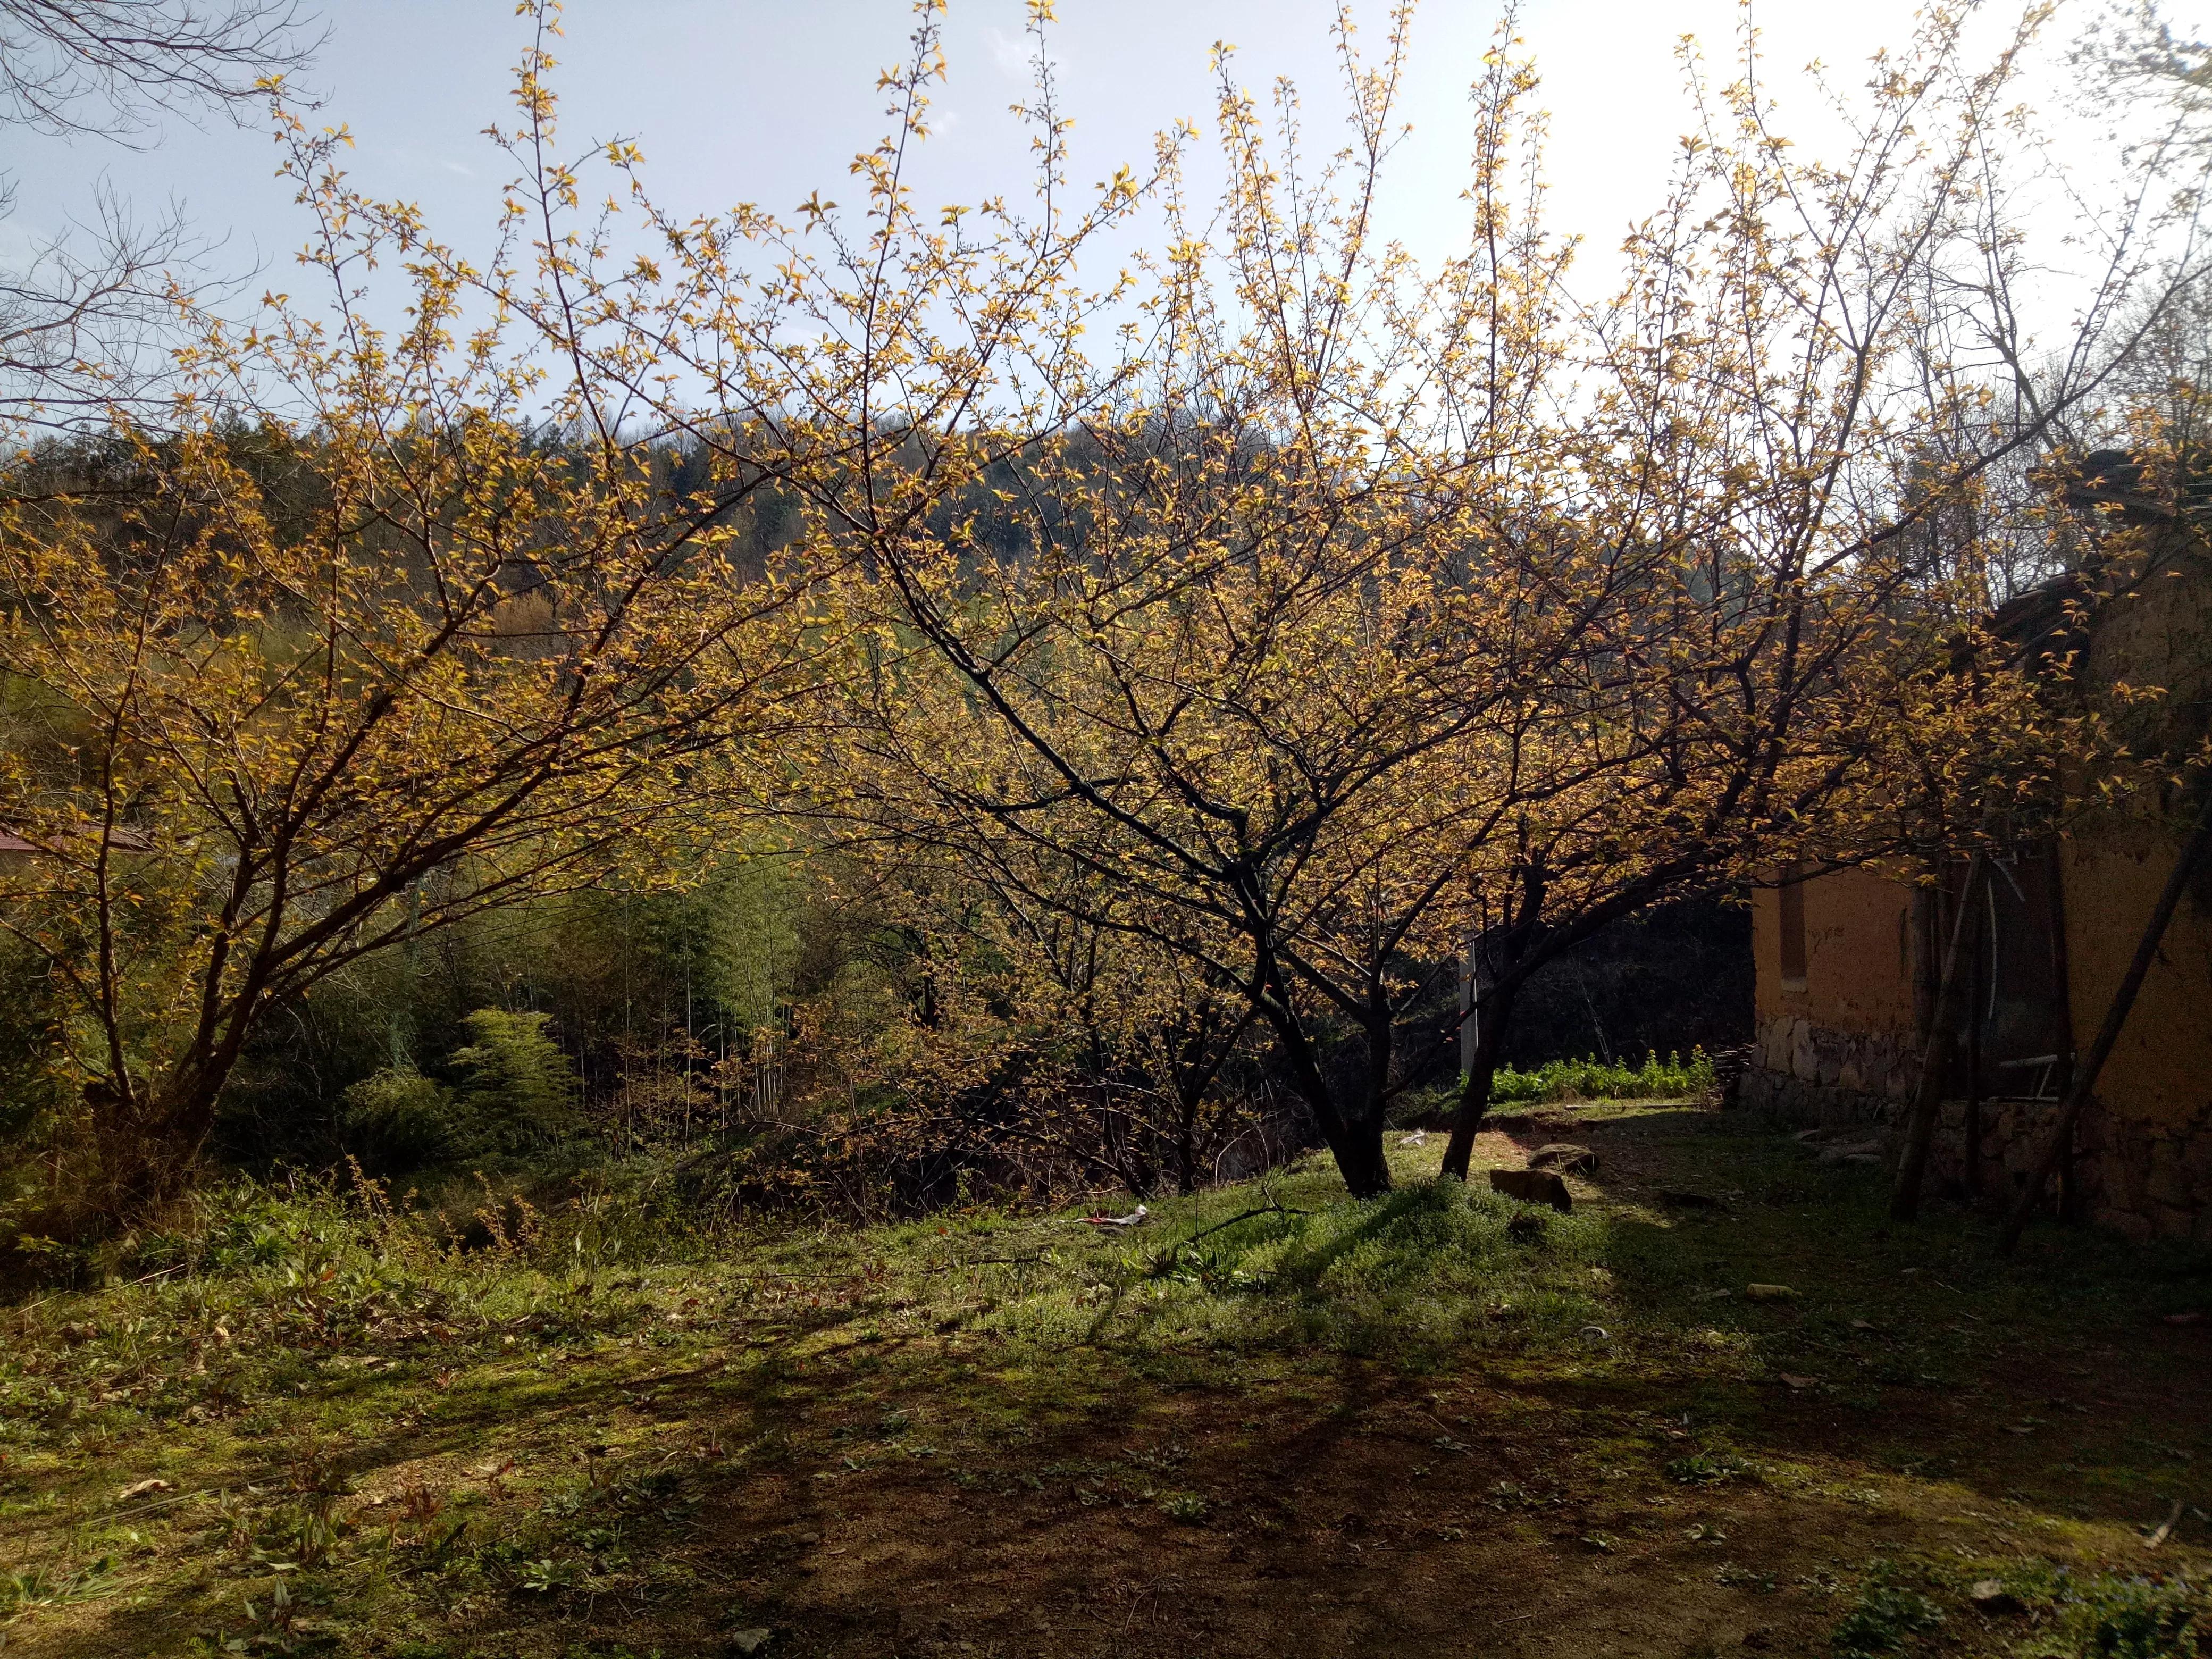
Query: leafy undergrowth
x=1261, y=1419
x=1592, y=1078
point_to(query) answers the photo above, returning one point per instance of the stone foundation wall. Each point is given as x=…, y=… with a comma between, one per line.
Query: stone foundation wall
x=2143, y=1180
x=1809, y=1075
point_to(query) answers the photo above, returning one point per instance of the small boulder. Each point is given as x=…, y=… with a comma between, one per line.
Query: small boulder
x=1532, y=1187
x=1769, y=1293
x=1564, y=1157
x=1990, y=1596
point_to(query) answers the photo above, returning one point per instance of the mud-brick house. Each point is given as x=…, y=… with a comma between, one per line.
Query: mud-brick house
x=1844, y=982
x=1847, y=966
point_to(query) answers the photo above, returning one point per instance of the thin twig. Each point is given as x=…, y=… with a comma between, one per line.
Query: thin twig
x=1269, y=1209
x=163, y=1503
x=2165, y=1527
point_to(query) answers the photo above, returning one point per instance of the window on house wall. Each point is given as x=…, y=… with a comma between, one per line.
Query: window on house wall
x=1792, y=897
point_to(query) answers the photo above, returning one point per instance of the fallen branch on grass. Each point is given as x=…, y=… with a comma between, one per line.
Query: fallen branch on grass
x=1264, y=1209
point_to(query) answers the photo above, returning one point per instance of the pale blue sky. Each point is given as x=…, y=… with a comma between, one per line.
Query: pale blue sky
x=767, y=100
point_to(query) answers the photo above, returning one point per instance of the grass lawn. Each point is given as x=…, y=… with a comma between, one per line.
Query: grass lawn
x=1437, y=1423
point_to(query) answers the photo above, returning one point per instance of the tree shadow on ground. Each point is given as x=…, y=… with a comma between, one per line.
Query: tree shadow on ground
x=1708, y=1475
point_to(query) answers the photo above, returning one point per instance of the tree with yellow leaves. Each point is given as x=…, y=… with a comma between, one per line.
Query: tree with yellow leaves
x=1279, y=605
x=1376, y=606
x=384, y=630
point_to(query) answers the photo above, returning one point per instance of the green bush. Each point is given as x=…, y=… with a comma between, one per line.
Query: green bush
x=1883, y=1620
x=1671, y=1078
x=2114, y=1618
x=518, y=1090
x=400, y=1120
x=517, y=1093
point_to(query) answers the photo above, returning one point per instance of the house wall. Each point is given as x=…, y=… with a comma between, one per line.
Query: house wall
x=2149, y=1153
x=1837, y=1046
x=2151, y=1161
x=1841, y=1046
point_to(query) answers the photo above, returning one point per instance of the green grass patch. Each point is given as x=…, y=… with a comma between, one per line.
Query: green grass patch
x=464, y=1430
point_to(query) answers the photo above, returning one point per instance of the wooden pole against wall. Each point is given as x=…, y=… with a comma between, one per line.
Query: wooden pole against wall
x=2062, y=1020
x=2108, y=1034
x=1977, y=998
x=1935, y=1061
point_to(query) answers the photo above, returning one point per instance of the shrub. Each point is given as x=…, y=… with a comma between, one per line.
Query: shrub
x=1671, y=1078
x=517, y=1091
x=400, y=1120
x=2113, y=1618
x=1882, y=1621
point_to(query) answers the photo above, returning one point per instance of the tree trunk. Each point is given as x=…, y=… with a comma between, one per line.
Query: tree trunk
x=1356, y=1143
x=1977, y=996
x=2062, y=1013
x=1186, y=1110
x=1495, y=1017
x=2108, y=1034
x=150, y=1142
x=1927, y=1098
x=1360, y=1159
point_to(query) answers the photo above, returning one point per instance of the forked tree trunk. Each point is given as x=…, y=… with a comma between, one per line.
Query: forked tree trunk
x=1356, y=1143
x=1360, y=1159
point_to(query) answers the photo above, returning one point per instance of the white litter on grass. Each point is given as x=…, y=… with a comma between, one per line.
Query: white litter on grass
x=1131, y=1219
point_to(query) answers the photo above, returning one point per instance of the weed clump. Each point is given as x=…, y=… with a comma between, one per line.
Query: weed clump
x=2129, y=1616
x=1883, y=1620
x=1707, y=1469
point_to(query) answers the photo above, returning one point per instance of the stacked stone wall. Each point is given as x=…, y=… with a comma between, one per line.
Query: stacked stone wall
x=2141, y=1179
x=1809, y=1074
